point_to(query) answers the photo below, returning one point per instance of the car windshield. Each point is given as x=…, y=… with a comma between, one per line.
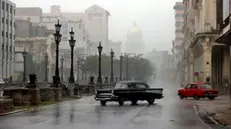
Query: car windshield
x=205, y=86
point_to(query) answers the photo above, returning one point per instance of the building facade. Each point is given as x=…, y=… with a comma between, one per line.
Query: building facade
x=205, y=59
x=178, y=45
x=97, y=22
x=33, y=14
x=7, y=33
x=26, y=28
x=223, y=24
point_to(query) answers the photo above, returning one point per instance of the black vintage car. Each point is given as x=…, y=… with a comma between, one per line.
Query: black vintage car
x=129, y=91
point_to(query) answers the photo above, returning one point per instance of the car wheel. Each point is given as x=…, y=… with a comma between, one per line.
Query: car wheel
x=211, y=98
x=103, y=103
x=181, y=96
x=151, y=101
x=196, y=97
x=121, y=102
x=134, y=102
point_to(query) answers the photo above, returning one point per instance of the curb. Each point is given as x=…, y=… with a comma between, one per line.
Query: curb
x=13, y=112
x=210, y=116
x=32, y=109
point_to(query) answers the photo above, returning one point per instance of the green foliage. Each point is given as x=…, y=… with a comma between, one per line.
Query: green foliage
x=138, y=67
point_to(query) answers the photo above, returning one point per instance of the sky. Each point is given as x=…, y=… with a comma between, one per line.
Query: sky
x=154, y=17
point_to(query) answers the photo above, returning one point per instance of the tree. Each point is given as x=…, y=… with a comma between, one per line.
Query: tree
x=139, y=68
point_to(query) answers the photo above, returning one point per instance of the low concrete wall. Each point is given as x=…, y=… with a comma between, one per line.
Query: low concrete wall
x=23, y=96
x=6, y=105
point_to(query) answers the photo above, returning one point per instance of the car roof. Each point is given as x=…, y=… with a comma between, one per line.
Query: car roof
x=199, y=83
x=132, y=81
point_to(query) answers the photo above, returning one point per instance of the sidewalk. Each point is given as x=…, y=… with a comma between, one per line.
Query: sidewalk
x=218, y=110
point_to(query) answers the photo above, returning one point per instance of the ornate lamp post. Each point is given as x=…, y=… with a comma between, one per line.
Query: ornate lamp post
x=62, y=61
x=112, y=56
x=57, y=37
x=24, y=54
x=72, y=45
x=99, y=80
x=121, y=66
x=46, y=70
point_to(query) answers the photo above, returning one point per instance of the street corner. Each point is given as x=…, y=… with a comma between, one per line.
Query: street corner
x=214, y=118
x=204, y=115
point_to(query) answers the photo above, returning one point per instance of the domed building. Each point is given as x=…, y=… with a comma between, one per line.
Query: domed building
x=134, y=42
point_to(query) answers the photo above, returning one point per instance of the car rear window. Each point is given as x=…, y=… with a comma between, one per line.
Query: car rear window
x=205, y=86
x=120, y=86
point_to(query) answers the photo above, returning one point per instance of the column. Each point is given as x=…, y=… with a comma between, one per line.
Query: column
x=207, y=58
x=226, y=63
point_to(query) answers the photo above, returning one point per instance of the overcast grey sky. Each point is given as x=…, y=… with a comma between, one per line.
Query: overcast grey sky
x=155, y=17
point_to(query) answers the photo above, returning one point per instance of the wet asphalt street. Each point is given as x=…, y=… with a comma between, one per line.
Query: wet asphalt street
x=167, y=113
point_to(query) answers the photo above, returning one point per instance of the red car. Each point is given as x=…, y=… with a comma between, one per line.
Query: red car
x=197, y=91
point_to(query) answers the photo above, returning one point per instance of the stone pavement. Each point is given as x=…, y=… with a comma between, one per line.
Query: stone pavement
x=218, y=109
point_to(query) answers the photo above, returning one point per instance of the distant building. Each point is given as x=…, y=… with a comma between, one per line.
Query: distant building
x=7, y=34
x=26, y=28
x=160, y=59
x=97, y=22
x=33, y=14
x=90, y=27
x=134, y=42
x=115, y=46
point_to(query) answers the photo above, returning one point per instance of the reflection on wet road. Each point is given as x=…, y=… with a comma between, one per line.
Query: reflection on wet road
x=168, y=113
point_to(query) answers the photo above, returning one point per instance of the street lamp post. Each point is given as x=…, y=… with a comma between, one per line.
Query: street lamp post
x=46, y=70
x=24, y=54
x=99, y=80
x=57, y=37
x=112, y=56
x=72, y=45
x=62, y=61
x=121, y=66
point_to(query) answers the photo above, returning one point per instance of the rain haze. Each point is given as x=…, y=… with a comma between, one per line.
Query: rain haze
x=115, y=64
x=154, y=17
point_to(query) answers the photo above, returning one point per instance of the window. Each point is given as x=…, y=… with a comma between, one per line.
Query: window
x=188, y=86
x=179, y=15
x=7, y=21
x=11, y=9
x=179, y=23
x=11, y=23
x=3, y=5
x=84, y=38
x=121, y=86
x=205, y=86
x=7, y=34
x=10, y=36
x=193, y=86
x=140, y=85
x=179, y=7
x=2, y=33
x=2, y=19
x=7, y=7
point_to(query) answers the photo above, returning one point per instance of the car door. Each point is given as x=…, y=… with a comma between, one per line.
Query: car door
x=193, y=90
x=187, y=91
